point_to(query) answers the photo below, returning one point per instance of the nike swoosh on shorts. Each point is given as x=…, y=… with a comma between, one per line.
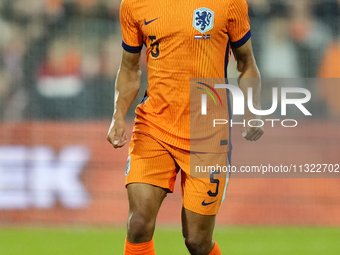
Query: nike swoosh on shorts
x=205, y=204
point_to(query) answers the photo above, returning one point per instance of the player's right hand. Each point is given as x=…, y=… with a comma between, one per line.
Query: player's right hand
x=252, y=133
x=116, y=135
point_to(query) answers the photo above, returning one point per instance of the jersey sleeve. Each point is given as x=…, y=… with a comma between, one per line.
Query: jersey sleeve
x=132, y=35
x=238, y=23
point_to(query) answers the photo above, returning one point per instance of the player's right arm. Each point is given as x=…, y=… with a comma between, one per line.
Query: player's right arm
x=249, y=78
x=126, y=90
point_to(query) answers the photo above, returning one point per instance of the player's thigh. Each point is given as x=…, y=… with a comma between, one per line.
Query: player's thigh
x=144, y=203
x=145, y=200
x=196, y=226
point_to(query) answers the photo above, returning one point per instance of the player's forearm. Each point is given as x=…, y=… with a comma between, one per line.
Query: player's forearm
x=250, y=77
x=127, y=87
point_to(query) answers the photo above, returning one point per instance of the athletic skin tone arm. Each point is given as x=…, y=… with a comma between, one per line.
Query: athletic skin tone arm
x=246, y=64
x=127, y=87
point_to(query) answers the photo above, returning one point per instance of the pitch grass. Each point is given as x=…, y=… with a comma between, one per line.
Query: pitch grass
x=232, y=240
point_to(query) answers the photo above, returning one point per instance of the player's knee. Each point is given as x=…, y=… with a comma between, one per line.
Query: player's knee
x=198, y=245
x=140, y=229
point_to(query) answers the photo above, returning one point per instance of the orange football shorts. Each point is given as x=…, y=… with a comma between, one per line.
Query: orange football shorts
x=154, y=162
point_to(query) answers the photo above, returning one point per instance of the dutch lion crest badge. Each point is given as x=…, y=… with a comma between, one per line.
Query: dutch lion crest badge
x=203, y=19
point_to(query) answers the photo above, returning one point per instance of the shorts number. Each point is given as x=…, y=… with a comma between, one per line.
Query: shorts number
x=214, y=180
x=154, y=46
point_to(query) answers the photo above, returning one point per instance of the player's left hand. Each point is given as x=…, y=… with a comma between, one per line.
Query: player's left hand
x=252, y=133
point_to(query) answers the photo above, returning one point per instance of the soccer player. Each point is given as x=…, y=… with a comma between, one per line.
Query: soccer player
x=184, y=39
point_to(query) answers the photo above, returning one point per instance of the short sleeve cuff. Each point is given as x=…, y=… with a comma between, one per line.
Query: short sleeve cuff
x=131, y=49
x=242, y=41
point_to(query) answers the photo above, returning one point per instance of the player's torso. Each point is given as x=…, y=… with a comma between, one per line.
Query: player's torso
x=184, y=39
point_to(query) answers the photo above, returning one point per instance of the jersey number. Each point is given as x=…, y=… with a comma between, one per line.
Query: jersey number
x=213, y=180
x=154, y=46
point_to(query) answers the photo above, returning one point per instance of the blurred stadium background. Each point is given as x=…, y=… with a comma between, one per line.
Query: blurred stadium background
x=62, y=185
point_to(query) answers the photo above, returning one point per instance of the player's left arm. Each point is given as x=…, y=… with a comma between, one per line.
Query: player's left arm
x=249, y=77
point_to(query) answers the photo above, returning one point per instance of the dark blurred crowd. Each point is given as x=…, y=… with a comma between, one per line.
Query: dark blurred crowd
x=300, y=39
x=59, y=58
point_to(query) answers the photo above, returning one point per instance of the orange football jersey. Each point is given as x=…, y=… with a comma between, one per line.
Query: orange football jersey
x=184, y=39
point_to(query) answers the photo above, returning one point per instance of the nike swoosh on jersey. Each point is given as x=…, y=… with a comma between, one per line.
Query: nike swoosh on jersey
x=148, y=22
x=205, y=204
